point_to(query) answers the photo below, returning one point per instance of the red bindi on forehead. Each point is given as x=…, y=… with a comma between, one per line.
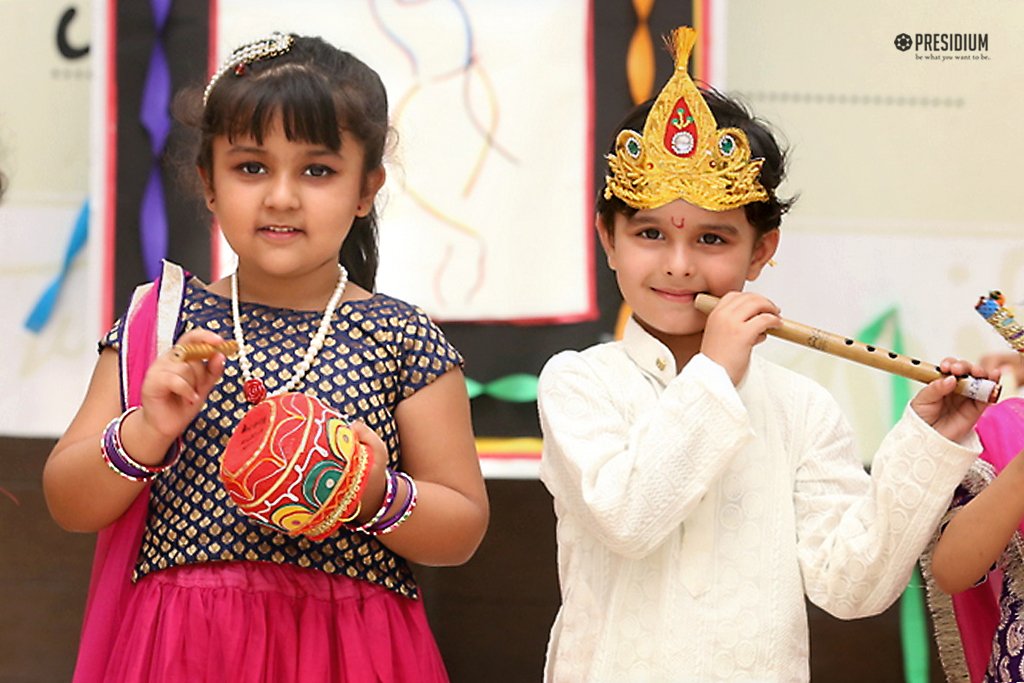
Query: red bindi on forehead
x=679, y=224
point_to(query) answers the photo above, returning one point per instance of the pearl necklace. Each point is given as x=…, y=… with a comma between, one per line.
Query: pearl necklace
x=253, y=388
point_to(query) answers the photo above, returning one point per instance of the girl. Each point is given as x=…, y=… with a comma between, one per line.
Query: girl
x=974, y=570
x=292, y=138
x=701, y=492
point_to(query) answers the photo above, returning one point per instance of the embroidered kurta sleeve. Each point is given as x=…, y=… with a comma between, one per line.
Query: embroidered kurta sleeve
x=860, y=536
x=632, y=476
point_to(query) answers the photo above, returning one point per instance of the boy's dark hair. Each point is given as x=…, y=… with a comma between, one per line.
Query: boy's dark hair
x=317, y=90
x=764, y=216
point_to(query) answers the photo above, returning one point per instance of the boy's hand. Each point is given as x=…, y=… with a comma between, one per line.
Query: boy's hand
x=951, y=414
x=739, y=322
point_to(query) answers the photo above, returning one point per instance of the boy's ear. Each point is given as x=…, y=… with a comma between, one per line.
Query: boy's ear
x=371, y=186
x=604, y=233
x=764, y=250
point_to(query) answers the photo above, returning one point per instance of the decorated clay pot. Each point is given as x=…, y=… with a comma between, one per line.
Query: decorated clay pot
x=295, y=465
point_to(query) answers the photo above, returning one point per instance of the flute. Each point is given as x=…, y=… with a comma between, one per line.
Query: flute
x=981, y=390
x=202, y=350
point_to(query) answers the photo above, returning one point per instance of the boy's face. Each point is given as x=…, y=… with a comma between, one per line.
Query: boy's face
x=664, y=257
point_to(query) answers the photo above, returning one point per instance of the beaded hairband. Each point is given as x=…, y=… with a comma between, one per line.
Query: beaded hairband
x=274, y=45
x=682, y=153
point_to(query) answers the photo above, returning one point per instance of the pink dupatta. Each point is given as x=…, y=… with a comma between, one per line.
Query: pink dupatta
x=148, y=328
x=965, y=640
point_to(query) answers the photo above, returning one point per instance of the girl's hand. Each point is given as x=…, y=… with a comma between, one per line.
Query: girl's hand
x=951, y=414
x=1010, y=363
x=174, y=390
x=739, y=322
x=373, y=495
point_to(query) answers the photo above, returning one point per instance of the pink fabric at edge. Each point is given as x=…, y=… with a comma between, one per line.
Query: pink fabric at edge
x=118, y=544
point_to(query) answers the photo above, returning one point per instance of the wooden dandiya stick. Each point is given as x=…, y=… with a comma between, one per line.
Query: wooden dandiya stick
x=203, y=350
x=981, y=390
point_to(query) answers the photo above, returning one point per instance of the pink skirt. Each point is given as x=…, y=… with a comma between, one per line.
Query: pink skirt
x=250, y=622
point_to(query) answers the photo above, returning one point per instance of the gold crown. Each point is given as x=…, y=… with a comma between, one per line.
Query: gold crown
x=682, y=153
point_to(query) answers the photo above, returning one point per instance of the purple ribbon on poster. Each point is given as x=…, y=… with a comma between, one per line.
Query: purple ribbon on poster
x=156, y=119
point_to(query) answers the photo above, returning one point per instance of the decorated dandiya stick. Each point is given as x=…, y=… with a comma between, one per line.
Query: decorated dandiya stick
x=976, y=388
x=203, y=350
x=993, y=309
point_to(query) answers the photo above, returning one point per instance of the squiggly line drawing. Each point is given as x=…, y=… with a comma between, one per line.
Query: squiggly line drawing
x=471, y=72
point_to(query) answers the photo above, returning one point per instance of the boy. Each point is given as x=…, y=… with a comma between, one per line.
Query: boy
x=701, y=491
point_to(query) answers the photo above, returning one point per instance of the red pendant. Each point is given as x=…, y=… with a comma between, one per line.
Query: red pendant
x=254, y=391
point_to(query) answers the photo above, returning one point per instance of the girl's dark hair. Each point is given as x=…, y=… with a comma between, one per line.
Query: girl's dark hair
x=317, y=90
x=764, y=216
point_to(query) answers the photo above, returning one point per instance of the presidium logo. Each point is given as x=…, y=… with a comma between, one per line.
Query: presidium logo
x=944, y=47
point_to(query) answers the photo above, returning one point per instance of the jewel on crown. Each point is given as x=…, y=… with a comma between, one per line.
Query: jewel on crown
x=682, y=153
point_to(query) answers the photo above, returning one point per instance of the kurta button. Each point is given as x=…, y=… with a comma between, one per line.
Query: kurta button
x=660, y=362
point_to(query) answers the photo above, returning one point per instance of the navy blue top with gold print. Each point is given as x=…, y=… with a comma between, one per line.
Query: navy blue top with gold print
x=380, y=351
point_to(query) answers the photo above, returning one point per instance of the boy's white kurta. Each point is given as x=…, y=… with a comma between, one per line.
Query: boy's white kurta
x=693, y=516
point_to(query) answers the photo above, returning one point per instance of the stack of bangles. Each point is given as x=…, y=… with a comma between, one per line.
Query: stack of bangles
x=121, y=463
x=390, y=516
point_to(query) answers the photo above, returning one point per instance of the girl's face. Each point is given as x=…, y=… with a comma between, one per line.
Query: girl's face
x=286, y=206
x=664, y=257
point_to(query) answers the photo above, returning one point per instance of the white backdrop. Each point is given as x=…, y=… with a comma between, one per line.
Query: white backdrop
x=486, y=211
x=907, y=166
x=44, y=152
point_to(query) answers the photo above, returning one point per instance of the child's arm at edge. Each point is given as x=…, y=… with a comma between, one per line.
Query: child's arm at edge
x=978, y=534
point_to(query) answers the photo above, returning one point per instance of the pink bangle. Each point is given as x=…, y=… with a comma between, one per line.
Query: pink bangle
x=404, y=511
x=121, y=463
x=390, y=489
